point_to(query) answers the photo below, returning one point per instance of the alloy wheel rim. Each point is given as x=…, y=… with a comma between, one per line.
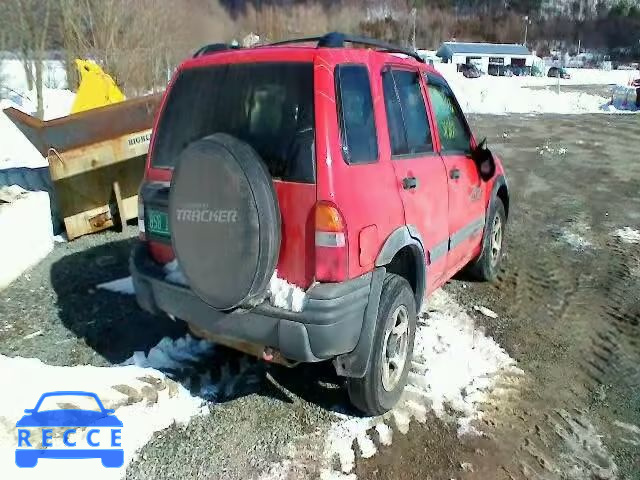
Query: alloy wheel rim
x=496, y=240
x=395, y=348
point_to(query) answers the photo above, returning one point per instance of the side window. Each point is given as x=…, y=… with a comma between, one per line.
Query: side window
x=454, y=133
x=355, y=114
x=409, y=130
x=395, y=122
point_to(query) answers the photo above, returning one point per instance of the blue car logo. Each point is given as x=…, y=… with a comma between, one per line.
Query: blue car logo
x=100, y=422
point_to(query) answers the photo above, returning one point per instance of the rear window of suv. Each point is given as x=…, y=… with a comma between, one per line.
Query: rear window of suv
x=268, y=105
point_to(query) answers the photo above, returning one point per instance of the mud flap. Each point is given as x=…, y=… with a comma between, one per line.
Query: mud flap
x=356, y=363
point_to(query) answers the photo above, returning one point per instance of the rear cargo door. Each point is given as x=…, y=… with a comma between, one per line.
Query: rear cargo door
x=266, y=104
x=420, y=171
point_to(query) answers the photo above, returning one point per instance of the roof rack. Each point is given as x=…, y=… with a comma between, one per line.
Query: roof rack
x=337, y=40
x=214, y=48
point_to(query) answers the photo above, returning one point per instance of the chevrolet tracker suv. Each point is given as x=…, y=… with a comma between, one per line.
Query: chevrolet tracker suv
x=301, y=200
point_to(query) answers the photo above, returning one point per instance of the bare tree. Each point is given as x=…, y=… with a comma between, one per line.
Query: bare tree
x=29, y=23
x=136, y=41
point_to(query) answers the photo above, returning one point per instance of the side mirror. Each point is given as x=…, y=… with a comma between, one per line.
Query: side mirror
x=484, y=160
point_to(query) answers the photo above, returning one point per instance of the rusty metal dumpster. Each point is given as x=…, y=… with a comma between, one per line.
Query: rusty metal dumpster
x=96, y=160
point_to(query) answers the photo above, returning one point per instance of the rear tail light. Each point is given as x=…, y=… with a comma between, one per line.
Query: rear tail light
x=331, y=242
x=141, y=227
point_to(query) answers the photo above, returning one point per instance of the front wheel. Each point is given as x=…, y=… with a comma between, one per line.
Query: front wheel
x=487, y=265
x=380, y=388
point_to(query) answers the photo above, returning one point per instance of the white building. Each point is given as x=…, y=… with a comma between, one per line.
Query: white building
x=485, y=54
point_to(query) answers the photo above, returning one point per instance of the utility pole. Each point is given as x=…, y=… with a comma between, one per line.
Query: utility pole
x=526, y=28
x=413, y=14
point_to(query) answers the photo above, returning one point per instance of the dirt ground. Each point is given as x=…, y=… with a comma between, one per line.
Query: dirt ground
x=568, y=301
x=568, y=304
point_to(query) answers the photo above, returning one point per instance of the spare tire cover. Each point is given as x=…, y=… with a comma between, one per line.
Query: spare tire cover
x=224, y=221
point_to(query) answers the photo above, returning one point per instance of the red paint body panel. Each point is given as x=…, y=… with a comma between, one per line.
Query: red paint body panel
x=367, y=194
x=297, y=254
x=370, y=196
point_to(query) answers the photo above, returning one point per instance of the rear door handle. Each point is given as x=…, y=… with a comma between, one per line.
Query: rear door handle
x=455, y=174
x=409, y=182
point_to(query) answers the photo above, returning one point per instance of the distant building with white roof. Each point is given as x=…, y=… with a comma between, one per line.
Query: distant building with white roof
x=485, y=54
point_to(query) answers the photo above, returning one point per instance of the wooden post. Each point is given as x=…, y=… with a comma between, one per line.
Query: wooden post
x=120, y=204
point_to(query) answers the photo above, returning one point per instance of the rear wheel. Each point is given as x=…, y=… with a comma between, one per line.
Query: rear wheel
x=487, y=265
x=379, y=390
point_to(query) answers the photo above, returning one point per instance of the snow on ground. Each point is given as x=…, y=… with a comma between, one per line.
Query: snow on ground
x=455, y=369
x=502, y=95
x=575, y=240
x=628, y=235
x=121, y=285
x=145, y=399
x=23, y=243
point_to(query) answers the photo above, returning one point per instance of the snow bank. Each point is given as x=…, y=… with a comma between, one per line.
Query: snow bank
x=15, y=150
x=497, y=95
x=594, y=76
x=502, y=95
x=455, y=368
x=579, y=76
x=26, y=232
x=145, y=400
x=148, y=392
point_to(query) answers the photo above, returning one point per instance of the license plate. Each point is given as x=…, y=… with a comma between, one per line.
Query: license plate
x=158, y=223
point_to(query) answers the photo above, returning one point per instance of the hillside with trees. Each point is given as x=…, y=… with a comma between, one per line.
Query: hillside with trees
x=139, y=41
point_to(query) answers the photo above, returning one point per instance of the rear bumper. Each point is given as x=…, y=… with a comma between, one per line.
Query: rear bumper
x=329, y=325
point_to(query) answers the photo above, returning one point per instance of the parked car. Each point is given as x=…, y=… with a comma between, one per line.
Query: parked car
x=470, y=71
x=558, y=72
x=265, y=169
x=500, y=70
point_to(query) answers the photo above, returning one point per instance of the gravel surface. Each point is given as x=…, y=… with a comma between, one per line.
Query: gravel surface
x=78, y=323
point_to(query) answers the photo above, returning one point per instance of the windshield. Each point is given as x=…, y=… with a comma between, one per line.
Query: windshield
x=268, y=105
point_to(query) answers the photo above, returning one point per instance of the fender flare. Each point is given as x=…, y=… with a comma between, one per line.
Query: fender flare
x=356, y=363
x=407, y=236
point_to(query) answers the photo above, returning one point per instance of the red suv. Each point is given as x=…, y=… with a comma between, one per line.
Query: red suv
x=302, y=199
